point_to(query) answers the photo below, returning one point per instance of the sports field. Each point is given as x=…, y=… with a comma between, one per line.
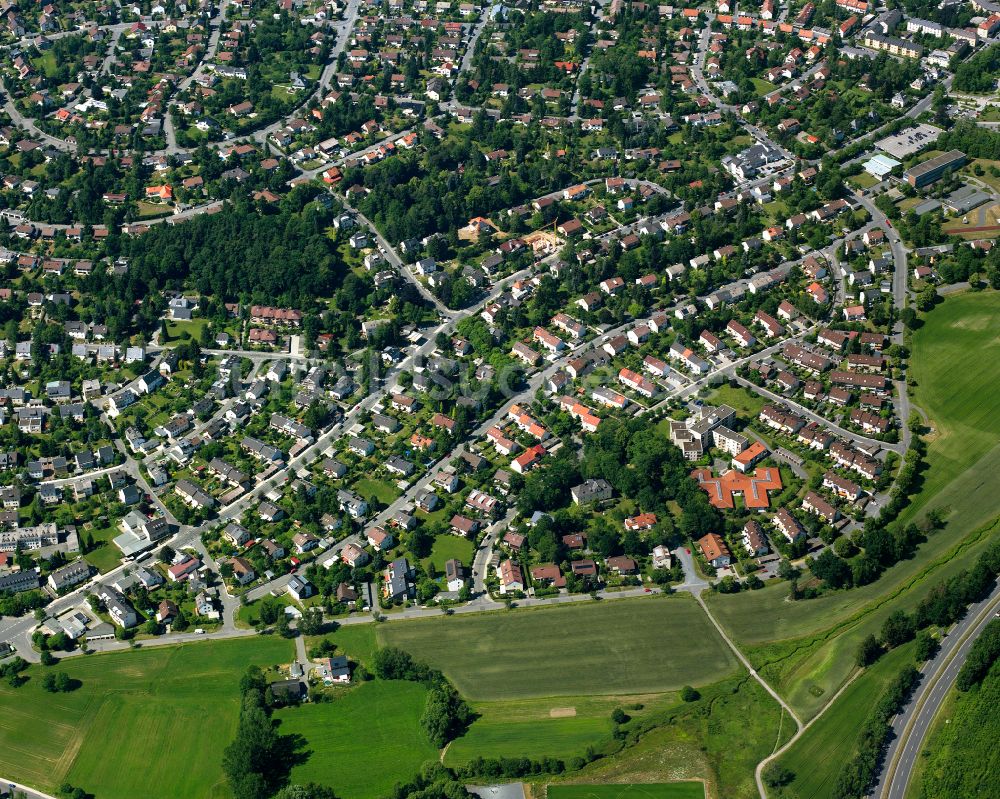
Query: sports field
x=364, y=742
x=664, y=790
x=589, y=648
x=148, y=717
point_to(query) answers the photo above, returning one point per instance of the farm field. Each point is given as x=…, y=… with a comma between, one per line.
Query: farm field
x=612, y=647
x=535, y=728
x=718, y=739
x=127, y=704
x=364, y=742
x=837, y=730
x=954, y=359
x=954, y=370
x=666, y=790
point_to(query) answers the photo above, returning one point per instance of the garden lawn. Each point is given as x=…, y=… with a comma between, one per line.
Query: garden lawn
x=104, y=558
x=745, y=402
x=447, y=547
x=384, y=492
x=663, y=790
x=364, y=742
x=610, y=647
x=862, y=180
x=108, y=735
x=762, y=86
x=357, y=641
x=176, y=330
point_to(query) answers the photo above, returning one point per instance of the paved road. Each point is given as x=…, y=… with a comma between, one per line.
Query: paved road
x=403, y=268
x=16, y=791
x=693, y=582
x=477, y=30
x=815, y=417
x=343, y=29
x=910, y=727
x=899, y=297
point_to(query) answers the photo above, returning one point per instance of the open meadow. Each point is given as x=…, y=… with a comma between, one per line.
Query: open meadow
x=809, y=760
x=589, y=648
x=536, y=728
x=363, y=742
x=665, y=790
x=180, y=703
x=718, y=740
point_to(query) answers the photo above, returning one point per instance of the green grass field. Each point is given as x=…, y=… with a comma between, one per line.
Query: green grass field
x=535, y=728
x=718, y=739
x=381, y=490
x=148, y=717
x=836, y=731
x=955, y=357
x=447, y=547
x=960, y=757
x=104, y=558
x=807, y=648
x=664, y=790
x=357, y=641
x=364, y=742
x=745, y=402
x=611, y=647
x=193, y=327
x=862, y=180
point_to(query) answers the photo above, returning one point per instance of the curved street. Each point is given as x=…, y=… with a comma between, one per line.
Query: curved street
x=910, y=728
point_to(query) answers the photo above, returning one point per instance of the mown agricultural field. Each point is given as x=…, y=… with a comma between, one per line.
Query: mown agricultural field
x=666, y=790
x=560, y=727
x=837, y=730
x=364, y=742
x=718, y=740
x=610, y=647
x=158, y=716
